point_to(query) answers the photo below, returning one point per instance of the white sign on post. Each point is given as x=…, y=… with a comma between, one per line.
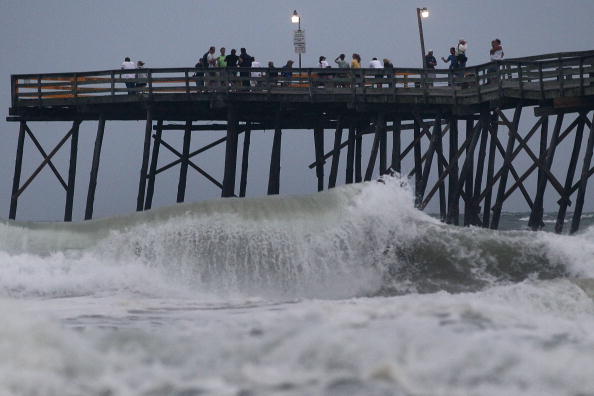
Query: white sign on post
x=299, y=41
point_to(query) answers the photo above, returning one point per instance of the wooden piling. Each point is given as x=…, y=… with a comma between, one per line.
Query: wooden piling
x=18, y=164
x=95, y=168
x=358, y=154
x=245, y=160
x=469, y=163
x=153, y=168
x=183, y=169
x=453, y=193
x=579, y=203
x=564, y=202
x=536, y=215
x=505, y=169
x=418, y=163
x=71, y=171
x=275, y=159
x=350, y=156
x=336, y=155
x=228, y=189
x=397, y=145
x=493, y=127
x=319, y=151
x=145, y=159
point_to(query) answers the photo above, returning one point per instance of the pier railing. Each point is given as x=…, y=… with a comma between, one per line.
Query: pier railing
x=539, y=78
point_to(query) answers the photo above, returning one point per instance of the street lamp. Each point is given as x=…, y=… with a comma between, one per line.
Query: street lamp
x=422, y=13
x=295, y=18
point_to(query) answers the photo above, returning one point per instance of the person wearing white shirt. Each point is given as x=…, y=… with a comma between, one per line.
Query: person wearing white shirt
x=255, y=64
x=127, y=64
x=375, y=64
x=496, y=52
x=324, y=63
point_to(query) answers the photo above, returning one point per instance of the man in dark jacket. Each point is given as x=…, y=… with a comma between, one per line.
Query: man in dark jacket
x=245, y=61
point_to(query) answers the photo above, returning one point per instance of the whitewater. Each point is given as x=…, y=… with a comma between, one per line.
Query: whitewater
x=350, y=291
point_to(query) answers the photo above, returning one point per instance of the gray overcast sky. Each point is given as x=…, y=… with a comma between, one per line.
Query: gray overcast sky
x=68, y=36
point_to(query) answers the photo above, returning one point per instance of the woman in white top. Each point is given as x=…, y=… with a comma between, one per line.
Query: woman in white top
x=324, y=63
x=496, y=52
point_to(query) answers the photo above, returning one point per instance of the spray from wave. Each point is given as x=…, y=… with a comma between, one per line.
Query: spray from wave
x=355, y=240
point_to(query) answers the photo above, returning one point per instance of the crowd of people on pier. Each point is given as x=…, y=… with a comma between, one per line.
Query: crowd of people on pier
x=457, y=60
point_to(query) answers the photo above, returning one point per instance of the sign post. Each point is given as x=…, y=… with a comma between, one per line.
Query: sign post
x=299, y=43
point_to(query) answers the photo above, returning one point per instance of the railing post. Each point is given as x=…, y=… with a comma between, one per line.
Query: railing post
x=187, y=81
x=477, y=81
x=150, y=82
x=500, y=78
x=112, y=81
x=541, y=82
x=13, y=90
x=75, y=86
x=39, y=89
x=560, y=77
x=582, y=76
x=521, y=79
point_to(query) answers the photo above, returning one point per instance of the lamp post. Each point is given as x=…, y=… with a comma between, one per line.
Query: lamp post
x=295, y=18
x=422, y=13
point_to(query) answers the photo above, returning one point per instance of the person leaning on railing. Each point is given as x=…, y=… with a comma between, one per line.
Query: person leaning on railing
x=495, y=54
x=430, y=63
x=127, y=64
x=141, y=76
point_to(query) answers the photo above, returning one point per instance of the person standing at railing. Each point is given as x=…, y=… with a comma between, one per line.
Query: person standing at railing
x=232, y=60
x=287, y=73
x=141, y=76
x=256, y=74
x=127, y=64
x=342, y=64
x=221, y=60
x=461, y=53
x=272, y=74
x=356, y=62
x=495, y=54
x=389, y=67
x=209, y=59
x=245, y=61
x=453, y=61
x=430, y=63
x=199, y=73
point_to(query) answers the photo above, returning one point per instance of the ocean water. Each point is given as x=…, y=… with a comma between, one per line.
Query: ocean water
x=347, y=292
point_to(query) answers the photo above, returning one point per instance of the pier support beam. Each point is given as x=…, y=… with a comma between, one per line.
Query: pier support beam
x=511, y=139
x=18, y=164
x=493, y=127
x=145, y=159
x=396, y=146
x=230, y=154
x=335, y=155
x=536, y=215
x=153, y=170
x=358, y=153
x=95, y=168
x=245, y=156
x=183, y=169
x=453, y=193
x=579, y=203
x=564, y=202
x=350, y=156
x=319, y=151
x=71, y=172
x=275, y=159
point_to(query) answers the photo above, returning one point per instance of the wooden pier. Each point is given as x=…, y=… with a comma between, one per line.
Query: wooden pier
x=451, y=123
